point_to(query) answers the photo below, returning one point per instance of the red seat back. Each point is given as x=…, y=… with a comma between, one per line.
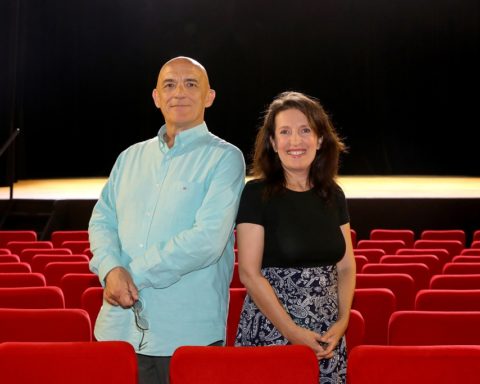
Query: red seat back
x=237, y=297
x=16, y=235
x=91, y=301
x=434, y=328
x=56, y=270
x=74, y=284
x=58, y=237
x=68, y=362
x=420, y=272
x=50, y=324
x=389, y=246
x=31, y=297
x=448, y=300
x=444, y=234
x=406, y=235
x=267, y=365
x=376, y=305
x=355, y=333
x=401, y=284
x=455, y=281
x=22, y=279
x=372, y=364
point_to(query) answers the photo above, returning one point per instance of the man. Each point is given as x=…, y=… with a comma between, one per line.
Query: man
x=162, y=231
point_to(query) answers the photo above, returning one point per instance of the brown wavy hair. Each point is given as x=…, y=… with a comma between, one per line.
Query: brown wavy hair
x=324, y=169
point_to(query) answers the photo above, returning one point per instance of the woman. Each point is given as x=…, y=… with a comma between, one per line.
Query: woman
x=293, y=236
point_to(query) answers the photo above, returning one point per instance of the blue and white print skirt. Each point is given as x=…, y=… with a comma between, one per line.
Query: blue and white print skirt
x=309, y=295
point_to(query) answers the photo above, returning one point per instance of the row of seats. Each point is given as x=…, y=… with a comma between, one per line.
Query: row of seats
x=409, y=237
x=371, y=317
x=97, y=363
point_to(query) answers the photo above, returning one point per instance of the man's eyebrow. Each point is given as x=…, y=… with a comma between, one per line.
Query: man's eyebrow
x=191, y=80
x=168, y=81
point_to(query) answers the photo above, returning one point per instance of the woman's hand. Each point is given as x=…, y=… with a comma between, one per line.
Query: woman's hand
x=302, y=336
x=332, y=338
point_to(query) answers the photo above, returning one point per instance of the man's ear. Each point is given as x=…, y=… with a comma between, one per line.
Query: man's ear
x=210, y=98
x=155, y=98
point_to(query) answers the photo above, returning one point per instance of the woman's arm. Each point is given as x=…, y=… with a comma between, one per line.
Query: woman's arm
x=250, y=243
x=346, y=286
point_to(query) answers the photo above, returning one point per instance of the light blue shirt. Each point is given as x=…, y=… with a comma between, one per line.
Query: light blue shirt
x=167, y=216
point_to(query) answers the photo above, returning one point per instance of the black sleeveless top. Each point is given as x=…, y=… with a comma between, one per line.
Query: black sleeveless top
x=301, y=229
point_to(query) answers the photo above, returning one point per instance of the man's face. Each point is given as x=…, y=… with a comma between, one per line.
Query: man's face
x=182, y=94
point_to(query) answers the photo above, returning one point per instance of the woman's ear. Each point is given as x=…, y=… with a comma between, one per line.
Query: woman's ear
x=274, y=146
x=320, y=139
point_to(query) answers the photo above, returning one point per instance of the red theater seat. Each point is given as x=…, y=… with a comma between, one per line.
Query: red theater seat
x=373, y=255
x=455, y=281
x=76, y=246
x=360, y=261
x=236, y=283
x=470, y=252
x=22, y=279
x=31, y=297
x=9, y=259
x=454, y=247
x=237, y=297
x=50, y=324
x=16, y=235
x=244, y=365
x=407, y=235
x=376, y=305
x=442, y=254
x=68, y=362
x=401, y=284
x=389, y=246
x=431, y=261
x=58, y=237
x=447, y=234
x=27, y=254
x=39, y=262
x=448, y=300
x=355, y=334
x=420, y=272
x=56, y=270
x=461, y=268
x=445, y=364
x=15, y=267
x=16, y=247
x=434, y=328
x=466, y=259
x=92, y=301
x=74, y=284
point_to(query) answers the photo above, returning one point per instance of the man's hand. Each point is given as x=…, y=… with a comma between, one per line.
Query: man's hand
x=119, y=288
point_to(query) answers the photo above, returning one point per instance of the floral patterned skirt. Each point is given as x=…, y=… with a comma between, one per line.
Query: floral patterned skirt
x=309, y=295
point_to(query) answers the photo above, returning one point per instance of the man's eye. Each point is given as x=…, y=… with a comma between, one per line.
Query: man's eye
x=169, y=85
x=191, y=85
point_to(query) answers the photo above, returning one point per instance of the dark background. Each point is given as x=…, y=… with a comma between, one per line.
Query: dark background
x=399, y=77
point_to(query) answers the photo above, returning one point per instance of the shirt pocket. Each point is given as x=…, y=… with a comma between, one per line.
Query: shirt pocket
x=182, y=201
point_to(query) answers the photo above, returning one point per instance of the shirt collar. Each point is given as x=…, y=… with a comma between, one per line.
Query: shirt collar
x=183, y=138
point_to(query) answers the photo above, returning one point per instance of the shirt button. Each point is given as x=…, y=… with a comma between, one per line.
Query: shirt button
x=141, y=245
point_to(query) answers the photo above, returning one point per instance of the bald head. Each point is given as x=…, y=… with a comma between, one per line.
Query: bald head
x=182, y=93
x=186, y=60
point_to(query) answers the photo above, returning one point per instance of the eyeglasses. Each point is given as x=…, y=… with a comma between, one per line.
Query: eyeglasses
x=140, y=321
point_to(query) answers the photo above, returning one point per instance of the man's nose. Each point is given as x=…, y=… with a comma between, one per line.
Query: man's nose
x=179, y=91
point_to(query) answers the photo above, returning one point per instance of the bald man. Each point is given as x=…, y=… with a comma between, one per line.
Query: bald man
x=162, y=230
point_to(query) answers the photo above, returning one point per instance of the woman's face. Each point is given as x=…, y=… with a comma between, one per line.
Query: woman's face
x=295, y=141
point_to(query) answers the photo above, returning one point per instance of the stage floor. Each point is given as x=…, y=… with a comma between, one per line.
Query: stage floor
x=354, y=187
